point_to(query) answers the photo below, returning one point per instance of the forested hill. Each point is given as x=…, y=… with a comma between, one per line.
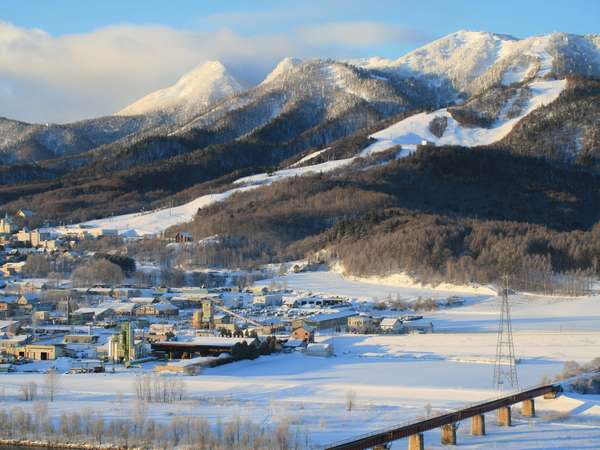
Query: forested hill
x=450, y=212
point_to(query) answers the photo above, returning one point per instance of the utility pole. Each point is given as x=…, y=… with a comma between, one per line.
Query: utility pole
x=505, y=369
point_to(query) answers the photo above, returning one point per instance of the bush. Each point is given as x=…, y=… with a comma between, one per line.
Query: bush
x=36, y=265
x=97, y=271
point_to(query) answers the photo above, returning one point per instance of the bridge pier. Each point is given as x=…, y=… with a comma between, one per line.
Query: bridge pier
x=478, y=425
x=416, y=442
x=449, y=434
x=528, y=408
x=550, y=395
x=504, y=417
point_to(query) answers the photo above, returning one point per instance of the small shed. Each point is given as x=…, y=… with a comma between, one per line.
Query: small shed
x=391, y=325
x=324, y=350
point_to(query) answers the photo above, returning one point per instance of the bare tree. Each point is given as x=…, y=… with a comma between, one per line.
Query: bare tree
x=29, y=391
x=350, y=400
x=52, y=383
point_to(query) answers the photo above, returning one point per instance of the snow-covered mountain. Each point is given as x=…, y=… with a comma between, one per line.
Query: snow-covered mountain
x=203, y=86
x=471, y=61
x=468, y=88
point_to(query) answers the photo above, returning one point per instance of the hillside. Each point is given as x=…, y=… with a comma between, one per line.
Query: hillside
x=446, y=212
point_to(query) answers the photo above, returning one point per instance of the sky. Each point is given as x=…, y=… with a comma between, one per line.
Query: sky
x=65, y=60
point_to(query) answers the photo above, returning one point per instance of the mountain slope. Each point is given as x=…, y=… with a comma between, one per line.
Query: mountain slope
x=468, y=62
x=194, y=93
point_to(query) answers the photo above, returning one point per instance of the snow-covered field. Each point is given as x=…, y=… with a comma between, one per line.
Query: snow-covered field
x=393, y=377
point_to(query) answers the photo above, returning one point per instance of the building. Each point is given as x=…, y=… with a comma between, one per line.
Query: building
x=362, y=324
x=324, y=321
x=124, y=346
x=38, y=352
x=84, y=315
x=324, y=350
x=80, y=339
x=11, y=269
x=7, y=226
x=9, y=327
x=183, y=236
x=199, y=346
x=274, y=299
x=314, y=301
x=391, y=325
x=8, y=306
x=8, y=343
x=125, y=308
x=161, y=309
x=26, y=303
x=304, y=333
x=24, y=213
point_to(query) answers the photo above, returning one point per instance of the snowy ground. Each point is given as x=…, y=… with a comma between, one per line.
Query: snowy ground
x=394, y=378
x=414, y=129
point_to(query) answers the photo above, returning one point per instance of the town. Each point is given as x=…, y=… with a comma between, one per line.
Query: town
x=91, y=327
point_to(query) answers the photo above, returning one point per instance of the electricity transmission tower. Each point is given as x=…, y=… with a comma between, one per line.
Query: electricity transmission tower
x=505, y=369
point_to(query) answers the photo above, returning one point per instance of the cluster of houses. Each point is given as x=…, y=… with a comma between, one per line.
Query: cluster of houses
x=17, y=240
x=101, y=325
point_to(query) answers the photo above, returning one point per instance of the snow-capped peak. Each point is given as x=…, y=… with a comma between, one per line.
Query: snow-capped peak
x=284, y=67
x=207, y=83
x=474, y=60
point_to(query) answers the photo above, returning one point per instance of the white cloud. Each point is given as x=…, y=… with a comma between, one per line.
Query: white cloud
x=44, y=78
x=361, y=34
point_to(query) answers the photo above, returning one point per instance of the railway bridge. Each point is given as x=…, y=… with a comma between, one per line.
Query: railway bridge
x=414, y=430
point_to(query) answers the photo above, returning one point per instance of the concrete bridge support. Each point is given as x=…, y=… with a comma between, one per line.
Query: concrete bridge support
x=449, y=434
x=416, y=442
x=528, y=408
x=550, y=395
x=504, y=417
x=478, y=425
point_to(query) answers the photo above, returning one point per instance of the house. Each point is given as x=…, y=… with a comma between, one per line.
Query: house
x=8, y=306
x=7, y=226
x=160, y=309
x=391, y=325
x=125, y=308
x=39, y=238
x=9, y=327
x=183, y=236
x=24, y=213
x=87, y=314
x=11, y=269
x=304, y=334
x=26, y=303
x=274, y=299
x=362, y=324
x=143, y=300
x=8, y=343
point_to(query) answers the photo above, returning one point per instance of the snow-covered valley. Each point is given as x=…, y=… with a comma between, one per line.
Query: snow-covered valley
x=392, y=378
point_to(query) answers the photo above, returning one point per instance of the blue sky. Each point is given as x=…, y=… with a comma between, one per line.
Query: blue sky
x=436, y=18
x=63, y=60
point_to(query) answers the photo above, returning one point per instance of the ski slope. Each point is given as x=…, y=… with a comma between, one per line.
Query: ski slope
x=414, y=129
x=154, y=222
